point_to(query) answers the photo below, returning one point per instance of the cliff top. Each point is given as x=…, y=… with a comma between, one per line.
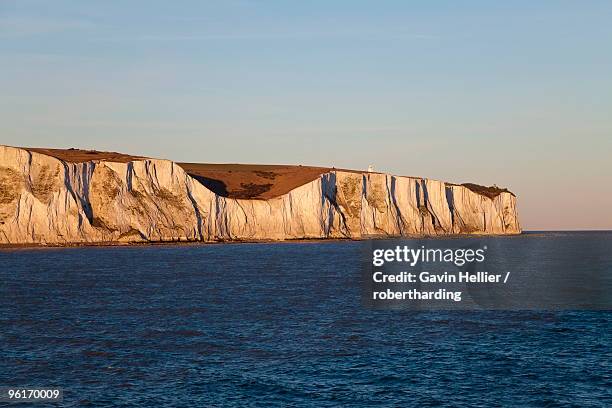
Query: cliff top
x=246, y=181
x=491, y=191
x=249, y=181
x=80, y=156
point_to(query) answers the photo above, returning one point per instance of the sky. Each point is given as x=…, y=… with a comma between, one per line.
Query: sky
x=517, y=94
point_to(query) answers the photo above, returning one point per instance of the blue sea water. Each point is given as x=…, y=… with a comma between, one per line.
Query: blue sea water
x=263, y=325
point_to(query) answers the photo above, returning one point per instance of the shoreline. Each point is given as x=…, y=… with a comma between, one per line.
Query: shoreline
x=116, y=244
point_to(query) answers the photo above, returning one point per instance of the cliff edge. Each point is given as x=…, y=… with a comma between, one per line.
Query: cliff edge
x=55, y=197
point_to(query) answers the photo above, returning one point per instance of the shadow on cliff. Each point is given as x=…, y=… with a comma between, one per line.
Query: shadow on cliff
x=216, y=186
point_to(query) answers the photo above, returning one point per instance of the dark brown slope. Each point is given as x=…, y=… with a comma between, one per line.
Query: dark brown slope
x=254, y=181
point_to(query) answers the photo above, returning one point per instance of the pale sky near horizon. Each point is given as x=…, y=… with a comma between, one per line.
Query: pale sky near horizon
x=513, y=93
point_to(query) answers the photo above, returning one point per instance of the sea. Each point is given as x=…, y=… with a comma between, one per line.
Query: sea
x=282, y=324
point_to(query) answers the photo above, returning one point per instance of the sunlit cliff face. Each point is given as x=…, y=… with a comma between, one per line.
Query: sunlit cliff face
x=45, y=200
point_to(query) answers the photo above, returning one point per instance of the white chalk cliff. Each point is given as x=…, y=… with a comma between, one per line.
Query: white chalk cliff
x=44, y=200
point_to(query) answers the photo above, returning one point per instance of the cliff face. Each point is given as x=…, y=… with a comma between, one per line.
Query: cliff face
x=49, y=201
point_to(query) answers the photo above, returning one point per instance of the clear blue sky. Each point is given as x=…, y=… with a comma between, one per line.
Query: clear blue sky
x=515, y=93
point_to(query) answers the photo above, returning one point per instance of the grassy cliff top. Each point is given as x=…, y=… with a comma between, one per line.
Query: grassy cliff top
x=245, y=181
